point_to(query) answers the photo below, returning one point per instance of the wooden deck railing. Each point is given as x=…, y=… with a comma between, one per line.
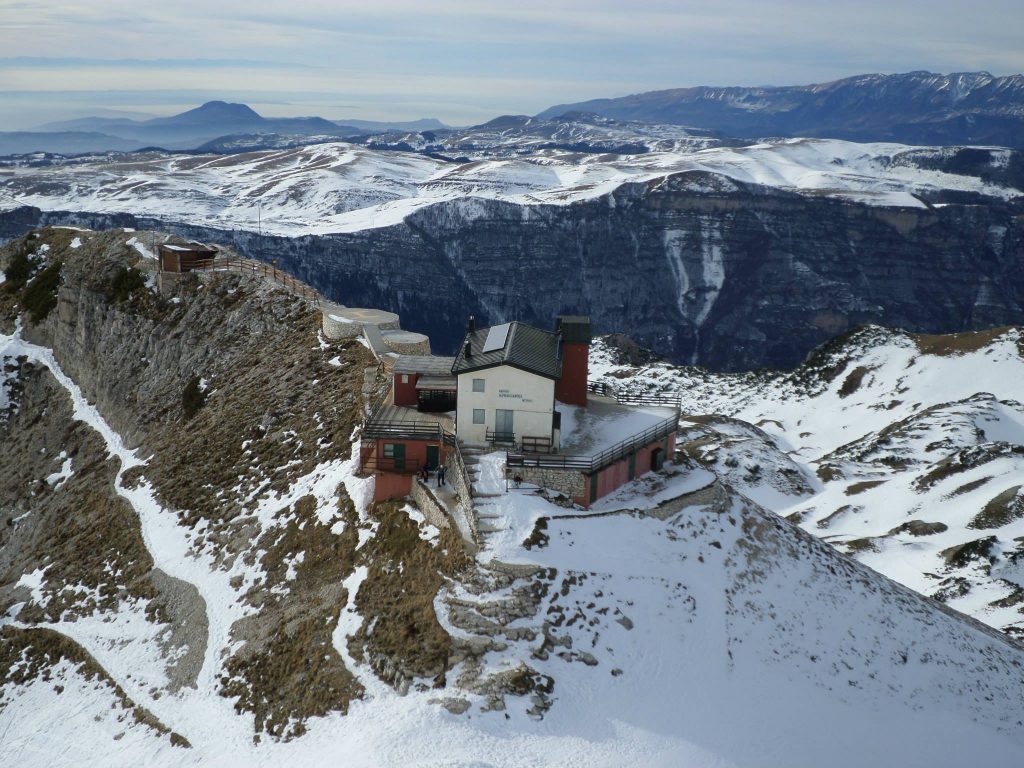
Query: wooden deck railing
x=377, y=429
x=634, y=396
x=493, y=436
x=400, y=466
x=601, y=460
x=235, y=264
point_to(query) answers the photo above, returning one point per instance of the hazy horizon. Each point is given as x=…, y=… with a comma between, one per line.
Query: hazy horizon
x=461, y=62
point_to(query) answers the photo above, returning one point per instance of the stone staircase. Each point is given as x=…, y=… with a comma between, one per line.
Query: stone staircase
x=494, y=609
x=487, y=522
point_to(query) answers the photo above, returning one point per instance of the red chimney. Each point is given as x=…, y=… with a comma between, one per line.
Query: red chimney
x=574, y=341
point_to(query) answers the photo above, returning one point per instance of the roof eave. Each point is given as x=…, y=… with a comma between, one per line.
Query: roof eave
x=500, y=363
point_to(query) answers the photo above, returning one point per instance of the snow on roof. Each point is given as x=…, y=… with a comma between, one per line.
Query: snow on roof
x=190, y=248
x=429, y=364
x=437, y=382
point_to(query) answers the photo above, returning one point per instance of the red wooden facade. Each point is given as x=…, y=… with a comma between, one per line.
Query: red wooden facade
x=394, y=463
x=405, y=389
x=424, y=382
x=574, y=347
x=571, y=388
x=611, y=478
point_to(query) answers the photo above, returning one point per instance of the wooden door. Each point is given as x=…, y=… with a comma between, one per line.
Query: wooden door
x=503, y=425
x=394, y=456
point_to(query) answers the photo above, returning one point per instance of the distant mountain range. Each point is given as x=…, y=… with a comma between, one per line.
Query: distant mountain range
x=732, y=257
x=923, y=108
x=911, y=108
x=515, y=135
x=204, y=125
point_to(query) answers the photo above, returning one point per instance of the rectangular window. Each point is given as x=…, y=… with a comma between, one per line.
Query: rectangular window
x=478, y=386
x=389, y=450
x=478, y=415
x=405, y=378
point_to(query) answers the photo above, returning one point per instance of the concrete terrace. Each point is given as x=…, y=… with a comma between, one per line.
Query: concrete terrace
x=400, y=415
x=380, y=329
x=604, y=423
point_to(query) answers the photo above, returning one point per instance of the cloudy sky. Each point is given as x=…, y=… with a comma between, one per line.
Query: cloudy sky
x=463, y=61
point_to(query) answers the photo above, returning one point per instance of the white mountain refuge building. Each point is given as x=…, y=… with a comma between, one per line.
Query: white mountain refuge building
x=506, y=385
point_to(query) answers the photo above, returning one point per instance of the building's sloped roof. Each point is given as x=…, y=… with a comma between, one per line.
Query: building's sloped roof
x=431, y=365
x=526, y=347
x=190, y=248
x=437, y=382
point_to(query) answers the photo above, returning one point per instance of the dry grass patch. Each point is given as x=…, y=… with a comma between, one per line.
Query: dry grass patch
x=968, y=487
x=289, y=670
x=866, y=485
x=825, y=522
x=964, y=554
x=296, y=675
x=262, y=422
x=397, y=599
x=945, y=345
x=829, y=472
x=853, y=381
x=866, y=544
x=964, y=460
x=1001, y=510
x=82, y=532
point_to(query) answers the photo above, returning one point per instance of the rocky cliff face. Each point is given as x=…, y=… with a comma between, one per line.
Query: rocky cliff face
x=699, y=267
x=177, y=464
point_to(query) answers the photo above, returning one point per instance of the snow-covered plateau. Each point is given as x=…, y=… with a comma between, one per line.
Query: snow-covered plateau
x=339, y=187
x=203, y=579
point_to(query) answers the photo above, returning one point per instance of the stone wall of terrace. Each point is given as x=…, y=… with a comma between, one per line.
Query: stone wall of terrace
x=571, y=482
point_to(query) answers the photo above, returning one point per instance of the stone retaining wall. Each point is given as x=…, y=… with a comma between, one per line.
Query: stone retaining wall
x=568, y=481
x=431, y=508
x=340, y=329
x=417, y=347
x=456, y=478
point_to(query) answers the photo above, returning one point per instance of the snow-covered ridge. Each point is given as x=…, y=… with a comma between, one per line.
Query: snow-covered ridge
x=339, y=187
x=681, y=624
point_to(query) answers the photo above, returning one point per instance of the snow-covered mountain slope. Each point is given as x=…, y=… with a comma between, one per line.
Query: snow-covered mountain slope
x=513, y=135
x=341, y=187
x=217, y=589
x=913, y=107
x=905, y=451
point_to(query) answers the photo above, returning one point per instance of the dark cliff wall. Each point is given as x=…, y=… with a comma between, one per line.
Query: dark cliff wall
x=698, y=267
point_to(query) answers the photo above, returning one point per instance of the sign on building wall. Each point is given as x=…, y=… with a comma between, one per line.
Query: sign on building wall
x=507, y=394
